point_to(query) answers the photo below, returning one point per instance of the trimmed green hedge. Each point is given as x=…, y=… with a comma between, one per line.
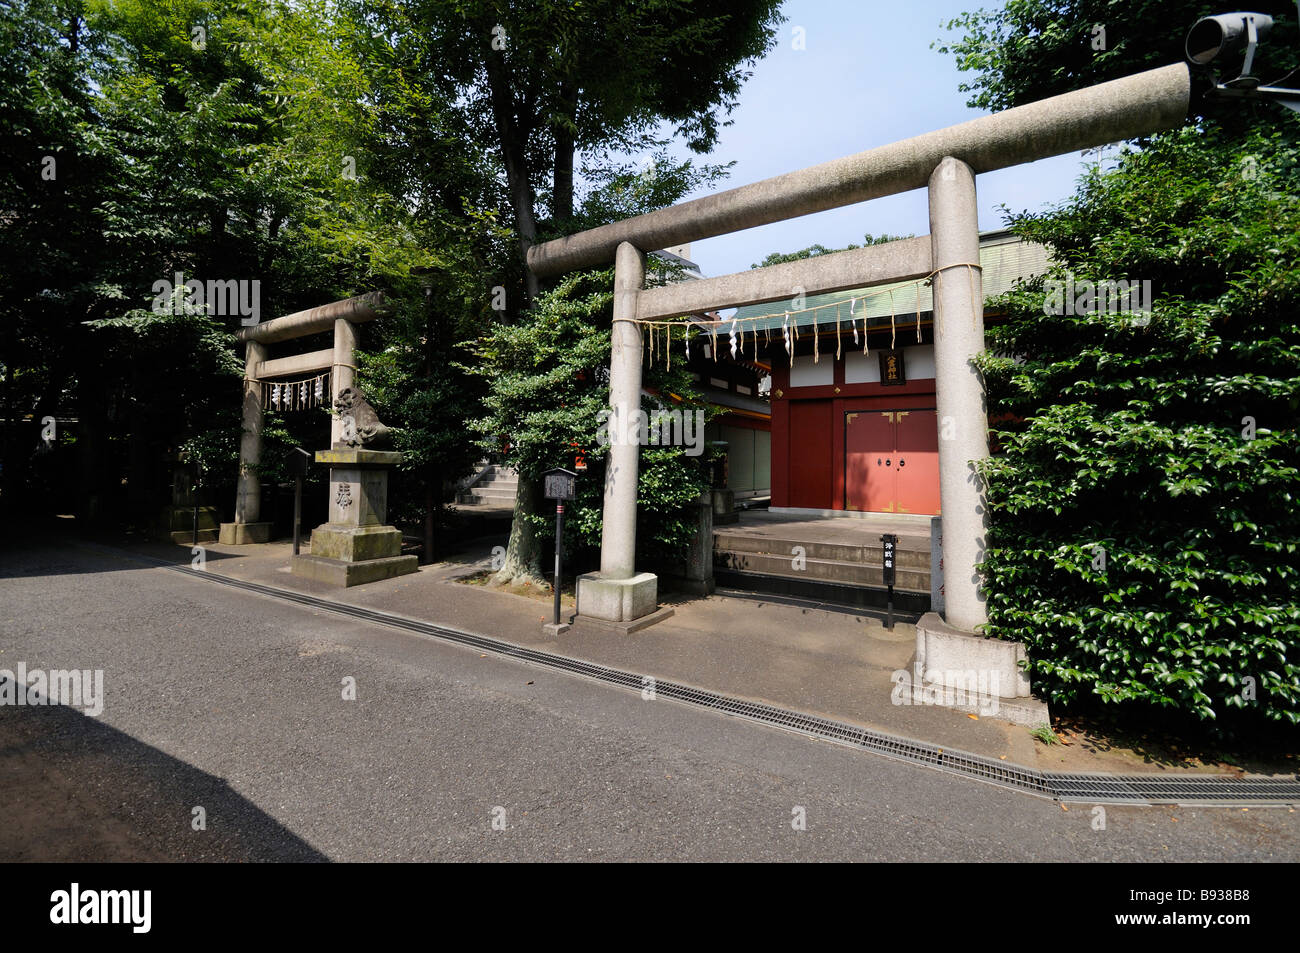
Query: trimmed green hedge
x=1143, y=522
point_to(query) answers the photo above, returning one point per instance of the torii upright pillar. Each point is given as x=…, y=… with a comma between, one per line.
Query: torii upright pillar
x=248, y=527
x=959, y=392
x=618, y=597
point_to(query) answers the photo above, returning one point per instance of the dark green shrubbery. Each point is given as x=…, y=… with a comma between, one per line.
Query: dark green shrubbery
x=1172, y=447
x=546, y=389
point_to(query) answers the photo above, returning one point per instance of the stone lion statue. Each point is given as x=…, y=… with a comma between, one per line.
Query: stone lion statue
x=365, y=429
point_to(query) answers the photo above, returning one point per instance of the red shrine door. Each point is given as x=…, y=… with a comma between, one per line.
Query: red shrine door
x=891, y=461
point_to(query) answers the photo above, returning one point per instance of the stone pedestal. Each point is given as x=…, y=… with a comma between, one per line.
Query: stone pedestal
x=355, y=546
x=724, y=507
x=698, y=569
x=241, y=534
x=176, y=522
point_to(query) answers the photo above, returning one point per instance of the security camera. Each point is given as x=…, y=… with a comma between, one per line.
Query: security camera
x=1211, y=36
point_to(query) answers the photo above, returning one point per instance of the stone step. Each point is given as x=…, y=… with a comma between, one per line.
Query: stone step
x=497, y=485
x=908, y=606
x=186, y=537
x=912, y=553
x=824, y=570
x=475, y=497
x=492, y=493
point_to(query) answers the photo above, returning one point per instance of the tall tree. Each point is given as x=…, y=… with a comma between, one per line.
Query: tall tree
x=50, y=172
x=546, y=84
x=544, y=390
x=542, y=82
x=202, y=136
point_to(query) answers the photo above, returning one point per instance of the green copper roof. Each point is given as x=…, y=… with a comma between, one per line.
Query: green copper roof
x=1004, y=259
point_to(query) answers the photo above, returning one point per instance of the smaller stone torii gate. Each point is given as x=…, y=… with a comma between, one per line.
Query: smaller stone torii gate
x=340, y=316
x=946, y=163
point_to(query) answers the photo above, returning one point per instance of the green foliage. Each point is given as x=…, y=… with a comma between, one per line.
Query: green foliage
x=1172, y=447
x=1043, y=732
x=321, y=148
x=536, y=86
x=414, y=377
x=813, y=251
x=226, y=155
x=621, y=190
x=544, y=402
x=1031, y=49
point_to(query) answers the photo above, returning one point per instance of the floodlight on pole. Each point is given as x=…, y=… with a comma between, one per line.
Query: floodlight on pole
x=1211, y=36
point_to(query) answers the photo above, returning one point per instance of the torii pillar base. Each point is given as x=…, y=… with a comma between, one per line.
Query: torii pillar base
x=619, y=606
x=355, y=547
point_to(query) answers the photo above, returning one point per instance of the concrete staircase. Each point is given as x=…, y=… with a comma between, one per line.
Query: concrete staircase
x=845, y=573
x=496, y=487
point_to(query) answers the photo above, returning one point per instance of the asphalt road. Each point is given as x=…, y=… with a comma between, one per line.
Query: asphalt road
x=233, y=703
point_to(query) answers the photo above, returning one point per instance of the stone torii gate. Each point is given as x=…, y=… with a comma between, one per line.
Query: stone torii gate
x=946, y=162
x=340, y=316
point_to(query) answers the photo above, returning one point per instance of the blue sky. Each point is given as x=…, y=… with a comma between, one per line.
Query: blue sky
x=867, y=77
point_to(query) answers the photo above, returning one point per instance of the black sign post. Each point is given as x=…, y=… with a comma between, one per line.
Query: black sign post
x=890, y=542
x=198, y=487
x=299, y=460
x=560, y=484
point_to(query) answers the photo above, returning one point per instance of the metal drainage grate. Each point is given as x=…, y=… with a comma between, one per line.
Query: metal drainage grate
x=1199, y=790
x=1183, y=790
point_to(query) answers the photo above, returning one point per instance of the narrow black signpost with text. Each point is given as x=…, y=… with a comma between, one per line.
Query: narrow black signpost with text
x=887, y=562
x=560, y=485
x=299, y=461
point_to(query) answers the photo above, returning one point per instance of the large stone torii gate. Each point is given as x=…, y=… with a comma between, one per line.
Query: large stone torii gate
x=342, y=317
x=946, y=162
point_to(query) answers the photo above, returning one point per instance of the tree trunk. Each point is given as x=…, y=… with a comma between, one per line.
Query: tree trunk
x=92, y=429
x=524, y=551
x=139, y=460
x=432, y=472
x=10, y=431
x=514, y=141
x=431, y=494
x=562, y=183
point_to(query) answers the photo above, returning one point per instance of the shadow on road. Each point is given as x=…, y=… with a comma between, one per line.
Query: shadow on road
x=75, y=789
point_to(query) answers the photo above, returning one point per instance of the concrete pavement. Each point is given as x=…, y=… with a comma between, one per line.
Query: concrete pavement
x=806, y=657
x=234, y=702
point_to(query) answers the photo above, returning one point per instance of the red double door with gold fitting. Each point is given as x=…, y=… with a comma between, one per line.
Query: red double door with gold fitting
x=891, y=461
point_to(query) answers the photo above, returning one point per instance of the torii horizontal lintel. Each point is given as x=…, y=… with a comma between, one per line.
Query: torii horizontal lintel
x=358, y=310
x=839, y=271
x=1138, y=105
